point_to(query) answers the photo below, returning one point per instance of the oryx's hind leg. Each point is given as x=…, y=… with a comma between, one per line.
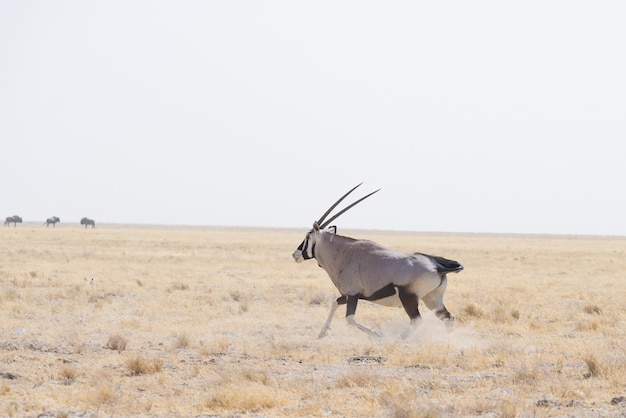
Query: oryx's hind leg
x=434, y=301
x=410, y=303
x=351, y=309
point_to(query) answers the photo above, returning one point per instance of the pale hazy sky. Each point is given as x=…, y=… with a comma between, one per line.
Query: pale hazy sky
x=481, y=116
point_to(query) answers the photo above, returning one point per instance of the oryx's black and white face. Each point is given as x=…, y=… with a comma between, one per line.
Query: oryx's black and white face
x=306, y=250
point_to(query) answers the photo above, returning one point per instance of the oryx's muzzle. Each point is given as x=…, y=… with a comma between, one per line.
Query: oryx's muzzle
x=297, y=255
x=303, y=252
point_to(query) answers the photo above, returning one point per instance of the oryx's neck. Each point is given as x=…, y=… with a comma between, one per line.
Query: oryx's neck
x=332, y=251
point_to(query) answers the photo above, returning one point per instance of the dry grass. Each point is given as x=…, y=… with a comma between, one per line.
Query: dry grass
x=138, y=365
x=141, y=321
x=68, y=374
x=117, y=342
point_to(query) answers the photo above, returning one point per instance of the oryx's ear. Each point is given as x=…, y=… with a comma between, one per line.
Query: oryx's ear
x=332, y=229
x=316, y=226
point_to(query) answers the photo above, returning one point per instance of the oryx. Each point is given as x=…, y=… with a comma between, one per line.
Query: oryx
x=52, y=221
x=362, y=269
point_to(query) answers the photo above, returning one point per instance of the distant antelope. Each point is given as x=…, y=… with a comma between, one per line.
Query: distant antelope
x=87, y=221
x=363, y=269
x=52, y=221
x=12, y=220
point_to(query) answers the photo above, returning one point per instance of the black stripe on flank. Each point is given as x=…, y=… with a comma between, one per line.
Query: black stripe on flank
x=385, y=292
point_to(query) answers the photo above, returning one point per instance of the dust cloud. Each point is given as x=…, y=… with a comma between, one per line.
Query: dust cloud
x=431, y=331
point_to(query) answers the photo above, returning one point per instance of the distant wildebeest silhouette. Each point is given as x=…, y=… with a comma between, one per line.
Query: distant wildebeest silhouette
x=87, y=221
x=52, y=221
x=12, y=220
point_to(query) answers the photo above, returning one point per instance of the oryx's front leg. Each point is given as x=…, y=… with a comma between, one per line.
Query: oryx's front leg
x=333, y=308
x=352, y=301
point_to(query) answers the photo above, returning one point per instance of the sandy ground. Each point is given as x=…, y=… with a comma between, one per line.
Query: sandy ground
x=181, y=321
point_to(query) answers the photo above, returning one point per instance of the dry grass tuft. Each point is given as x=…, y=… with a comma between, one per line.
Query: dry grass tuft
x=473, y=310
x=103, y=393
x=250, y=389
x=68, y=374
x=138, y=365
x=527, y=374
x=9, y=294
x=588, y=325
x=244, y=396
x=356, y=378
x=318, y=299
x=592, y=309
x=508, y=408
x=400, y=402
x=242, y=299
x=595, y=367
x=117, y=342
x=178, y=285
x=257, y=376
x=4, y=389
x=182, y=340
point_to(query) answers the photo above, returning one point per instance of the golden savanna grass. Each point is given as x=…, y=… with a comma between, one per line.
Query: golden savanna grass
x=183, y=321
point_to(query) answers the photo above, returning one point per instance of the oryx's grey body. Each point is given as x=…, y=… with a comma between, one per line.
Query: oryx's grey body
x=362, y=269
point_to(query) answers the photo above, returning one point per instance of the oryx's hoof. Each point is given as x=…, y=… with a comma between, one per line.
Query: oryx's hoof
x=449, y=323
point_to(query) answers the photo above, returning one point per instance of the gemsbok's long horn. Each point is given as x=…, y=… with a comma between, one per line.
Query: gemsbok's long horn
x=320, y=220
x=325, y=224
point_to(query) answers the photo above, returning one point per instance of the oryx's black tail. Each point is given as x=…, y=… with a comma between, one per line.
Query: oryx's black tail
x=444, y=265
